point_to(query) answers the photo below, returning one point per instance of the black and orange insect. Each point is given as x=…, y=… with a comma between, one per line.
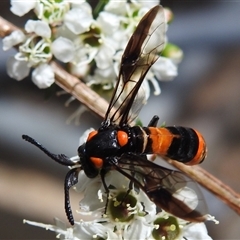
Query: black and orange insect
x=117, y=145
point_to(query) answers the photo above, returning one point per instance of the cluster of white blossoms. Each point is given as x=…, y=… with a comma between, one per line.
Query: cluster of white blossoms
x=88, y=41
x=129, y=215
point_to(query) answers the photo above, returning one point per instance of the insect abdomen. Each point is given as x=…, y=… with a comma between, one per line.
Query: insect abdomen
x=179, y=143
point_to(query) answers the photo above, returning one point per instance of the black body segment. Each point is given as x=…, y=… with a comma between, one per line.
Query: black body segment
x=184, y=145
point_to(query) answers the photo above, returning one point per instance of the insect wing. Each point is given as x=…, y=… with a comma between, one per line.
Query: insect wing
x=170, y=190
x=142, y=50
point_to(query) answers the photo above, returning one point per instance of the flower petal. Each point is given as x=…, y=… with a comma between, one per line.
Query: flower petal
x=43, y=76
x=78, y=20
x=138, y=229
x=63, y=49
x=164, y=69
x=91, y=201
x=108, y=22
x=196, y=231
x=116, y=7
x=13, y=39
x=39, y=27
x=20, y=8
x=17, y=69
x=92, y=230
x=104, y=57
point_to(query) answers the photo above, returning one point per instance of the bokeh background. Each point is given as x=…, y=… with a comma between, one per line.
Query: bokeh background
x=205, y=96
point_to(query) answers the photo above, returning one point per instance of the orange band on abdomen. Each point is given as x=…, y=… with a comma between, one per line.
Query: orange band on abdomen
x=161, y=140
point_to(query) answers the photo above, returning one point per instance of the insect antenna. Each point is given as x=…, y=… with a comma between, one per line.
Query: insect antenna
x=60, y=158
x=70, y=180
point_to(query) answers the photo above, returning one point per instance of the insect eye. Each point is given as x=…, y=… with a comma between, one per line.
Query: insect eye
x=97, y=162
x=122, y=138
x=91, y=134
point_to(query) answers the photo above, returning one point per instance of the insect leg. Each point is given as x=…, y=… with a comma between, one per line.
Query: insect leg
x=60, y=158
x=153, y=122
x=130, y=187
x=70, y=180
x=102, y=175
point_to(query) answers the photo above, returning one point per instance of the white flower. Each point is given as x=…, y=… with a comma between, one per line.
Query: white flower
x=100, y=44
x=63, y=49
x=94, y=45
x=17, y=69
x=127, y=219
x=51, y=11
x=43, y=76
x=170, y=227
x=36, y=46
x=22, y=7
x=13, y=39
x=35, y=51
